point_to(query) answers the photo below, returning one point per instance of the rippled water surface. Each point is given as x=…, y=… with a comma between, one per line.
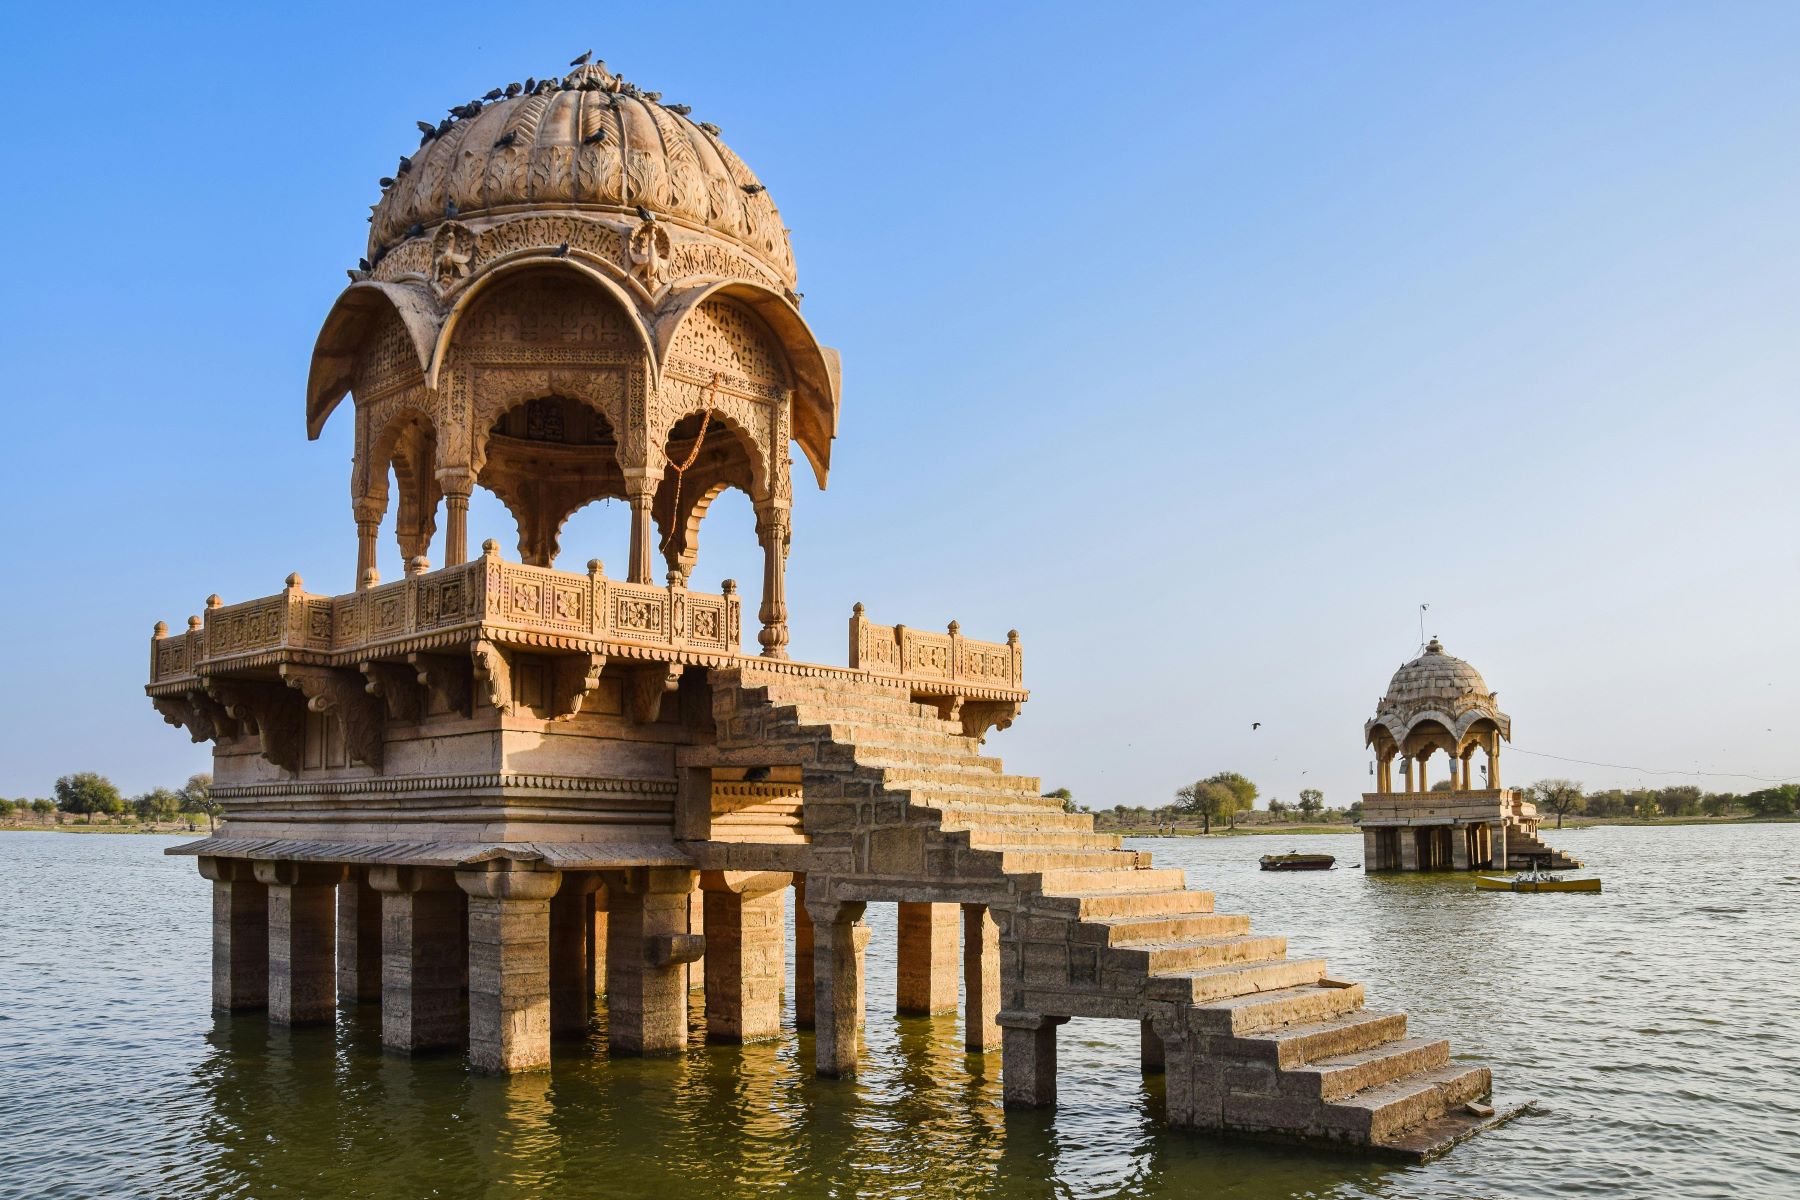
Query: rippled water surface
x=1659, y=1024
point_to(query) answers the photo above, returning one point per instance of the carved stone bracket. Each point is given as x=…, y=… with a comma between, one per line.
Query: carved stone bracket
x=979, y=716
x=399, y=687
x=344, y=695
x=493, y=674
x=446, y=678
x=277, y=717
x=646, y=686
x=574, y=676
x=202, y=716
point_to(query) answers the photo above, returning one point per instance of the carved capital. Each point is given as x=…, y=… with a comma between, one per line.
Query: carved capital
x=573, y=677
x=493, y=674
x=646, y=686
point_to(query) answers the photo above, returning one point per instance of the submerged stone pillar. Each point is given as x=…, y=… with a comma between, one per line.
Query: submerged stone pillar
x=302, y=940
x=240, y=951
x=424, y=957
x=1409, y=848
x=745, y=953
x=927, y=959
x=1372, y=850
x=571, y=974
x=1150, y=1049
x=1195, y=1087
x=1459, y=847
x=839, y=940
x=1028, y=1059
x=509, y=965
x=803, y=957
x=358, y=939
x=981, y=979
x=596, y=940
x=647, y=952
x=1498, y=844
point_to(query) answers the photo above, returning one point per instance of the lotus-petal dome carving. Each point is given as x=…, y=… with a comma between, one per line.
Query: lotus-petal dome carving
x=586, y=142
x=1436, y=687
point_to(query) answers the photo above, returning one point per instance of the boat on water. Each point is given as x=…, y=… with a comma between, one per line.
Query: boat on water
x=1296, y=862
x=1535, y=881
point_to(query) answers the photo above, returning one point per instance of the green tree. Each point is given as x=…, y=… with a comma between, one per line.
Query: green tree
x=42, y=808
x=9, y=808
x=157, y=804
x=1278, y=809
x=1207, y=799
x=1241, y=791
x=1443, y=785
x=1312, y=802
x=1354, y=812
x=197, y=796
x=1560, y=796
x=1680, y=801
x=1066, y=796
x=88, y=793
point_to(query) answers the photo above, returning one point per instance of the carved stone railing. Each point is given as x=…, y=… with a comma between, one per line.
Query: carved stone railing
x=487, y=598
x=978, y=683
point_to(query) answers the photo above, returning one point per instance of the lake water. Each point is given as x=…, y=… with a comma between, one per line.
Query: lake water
x=1658, y=1023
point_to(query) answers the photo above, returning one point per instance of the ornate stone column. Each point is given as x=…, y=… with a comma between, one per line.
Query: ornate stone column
x=745, y=953
x=1494, y=761
x=368, y=529
x=640, y=492
x=839, y=940
x=596, y=941
x=457, y=484
x=773, y=531
x=648, y=947
x=571, y=937
x=302, y=940
x=509, y=965
x=926, y=957
x=981, y=979
x=1028, y=1059
x=358, y=939
x=240, y=952
x=424, y=957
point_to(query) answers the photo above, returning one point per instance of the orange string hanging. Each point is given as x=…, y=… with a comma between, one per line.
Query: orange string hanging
x=693, y=455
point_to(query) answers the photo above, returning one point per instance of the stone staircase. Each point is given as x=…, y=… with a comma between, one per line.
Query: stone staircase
x=1525, y=849
x=900, y=804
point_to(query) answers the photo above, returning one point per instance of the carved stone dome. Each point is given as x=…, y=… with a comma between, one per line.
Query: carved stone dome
x=1434, y=675
x=586, y=142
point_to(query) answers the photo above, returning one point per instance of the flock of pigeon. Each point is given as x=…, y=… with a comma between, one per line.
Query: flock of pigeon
x=531, y=87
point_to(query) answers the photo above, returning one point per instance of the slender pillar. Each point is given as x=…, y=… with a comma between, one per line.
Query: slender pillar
x=509, y=965
x=240, y=955
x=981, y=979
x=696, y=970
x=1424, y=784
x=424, y=957
x=648, y=949
x=358, y=939
x=1494, y=762
x=772, y=529
x=596, y=942
x=840, y=938
x=571, y=976
x=745, y=953
x=1406, y=772
x=302, y=940
x=456, y=484
x=1150, y=1049
x=366, y=532
x=803, y=957
x=640, y=489
x=927, y=953
x=1028, y=1059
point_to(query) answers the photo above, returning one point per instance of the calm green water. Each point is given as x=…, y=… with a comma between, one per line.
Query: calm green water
x=1659, y=1023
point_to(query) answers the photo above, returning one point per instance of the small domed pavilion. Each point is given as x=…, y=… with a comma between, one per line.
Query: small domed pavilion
x=1437, y=703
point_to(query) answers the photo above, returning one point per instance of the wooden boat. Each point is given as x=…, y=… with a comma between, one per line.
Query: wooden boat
x=1296, y=862
x=1534, y=882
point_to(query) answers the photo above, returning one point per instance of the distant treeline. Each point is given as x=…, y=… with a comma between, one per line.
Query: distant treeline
x=87, y=794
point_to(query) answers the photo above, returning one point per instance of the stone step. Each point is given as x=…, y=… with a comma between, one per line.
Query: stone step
x=1174, y=927
x=820, y=716
x=963, y=779
x=1084, y=883
x=1343, y=1075
x=1036, y=861
x=1120, y=906
x=1002, y=820
x=991, y=838
x=1203, y=985
x=961, y=749
x=886, y=754
x=1254, y=1013
x=1389, y=1109
x=1167, y=958
x=1017, y=804
x=1291, y=1046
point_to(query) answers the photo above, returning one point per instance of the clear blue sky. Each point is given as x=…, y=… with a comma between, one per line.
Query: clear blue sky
x=1200, y=343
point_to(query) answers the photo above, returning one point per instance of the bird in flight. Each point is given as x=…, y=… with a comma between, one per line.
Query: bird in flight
x=1256, y=724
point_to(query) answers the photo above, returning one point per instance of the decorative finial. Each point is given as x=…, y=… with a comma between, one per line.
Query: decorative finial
x=418, y=565
x=729, y=587
x=371, y=578
x=858, y=610
x=595, y=567
x=1012, y=637
x=490, y=549
x=955, y=628
x=194, y=624
x=161, y=630
x=213, y=601
x=294, y=581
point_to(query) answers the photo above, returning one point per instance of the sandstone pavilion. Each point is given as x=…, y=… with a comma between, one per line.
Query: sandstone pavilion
x=1438, y=703
x=493, y=794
